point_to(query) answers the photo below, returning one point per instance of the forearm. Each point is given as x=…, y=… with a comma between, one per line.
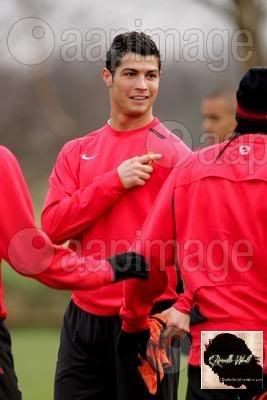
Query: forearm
x=139, y=298
x=157, y=244
x=68, y=272
x=31, y=253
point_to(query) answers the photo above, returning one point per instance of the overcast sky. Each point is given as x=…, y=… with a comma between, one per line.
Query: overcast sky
x=108, y=16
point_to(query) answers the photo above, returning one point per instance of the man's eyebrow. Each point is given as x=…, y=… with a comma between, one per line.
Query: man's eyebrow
x=129, y=69
x=154, y=70
x=135, y=70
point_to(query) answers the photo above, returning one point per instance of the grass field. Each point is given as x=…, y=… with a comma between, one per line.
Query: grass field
x=35, y=353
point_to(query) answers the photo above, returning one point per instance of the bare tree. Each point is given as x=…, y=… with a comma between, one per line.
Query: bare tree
x=246, y=15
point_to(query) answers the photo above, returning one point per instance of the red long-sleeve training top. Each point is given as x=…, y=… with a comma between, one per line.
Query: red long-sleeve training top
x=214, y=213
x=87, y=202
x=29, y=250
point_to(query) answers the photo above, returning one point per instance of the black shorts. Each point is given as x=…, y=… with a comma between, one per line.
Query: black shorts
x=88, y=367
x=8, y=380
x=194, y=391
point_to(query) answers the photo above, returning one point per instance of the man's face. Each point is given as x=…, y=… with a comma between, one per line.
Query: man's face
x=134, y=85
x=218, y=119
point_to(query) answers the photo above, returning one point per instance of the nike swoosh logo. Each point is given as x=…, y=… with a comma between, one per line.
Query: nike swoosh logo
x=86, y=157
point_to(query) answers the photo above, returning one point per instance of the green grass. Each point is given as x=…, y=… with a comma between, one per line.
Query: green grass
x=183, y=379
x=35, y=353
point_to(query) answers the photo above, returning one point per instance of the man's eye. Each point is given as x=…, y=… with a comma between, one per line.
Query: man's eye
x=130, y=74
x=215, y=118
x=152, y=76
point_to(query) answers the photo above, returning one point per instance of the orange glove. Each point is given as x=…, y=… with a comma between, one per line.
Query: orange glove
x=152, y=368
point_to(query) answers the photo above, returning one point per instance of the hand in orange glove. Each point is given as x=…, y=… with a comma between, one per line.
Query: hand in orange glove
x=156, y=360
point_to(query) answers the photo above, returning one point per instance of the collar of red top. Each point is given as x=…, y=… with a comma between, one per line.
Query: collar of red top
x=151, y=124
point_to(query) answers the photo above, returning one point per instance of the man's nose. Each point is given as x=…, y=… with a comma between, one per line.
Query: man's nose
x=206, y=125
x=141, y=82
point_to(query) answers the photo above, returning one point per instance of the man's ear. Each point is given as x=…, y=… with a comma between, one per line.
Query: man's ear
x=107, y=77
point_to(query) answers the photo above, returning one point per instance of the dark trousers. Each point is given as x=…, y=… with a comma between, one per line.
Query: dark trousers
x=194, y=392
x=88, y=367
x=8, y=380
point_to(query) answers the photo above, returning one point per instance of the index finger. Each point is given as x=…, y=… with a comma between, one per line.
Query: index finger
x=149, y=157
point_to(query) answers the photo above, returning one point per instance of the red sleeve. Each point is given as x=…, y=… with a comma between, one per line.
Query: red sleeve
x=29, y=250
x=157, y=244
x=68, y=208
x=184, y=302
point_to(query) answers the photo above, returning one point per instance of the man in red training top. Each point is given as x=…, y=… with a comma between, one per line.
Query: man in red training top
x=220, y=243
x=31, y=253
x=101, y=190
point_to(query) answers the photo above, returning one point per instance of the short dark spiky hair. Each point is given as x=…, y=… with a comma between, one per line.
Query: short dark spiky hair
x=130, y=42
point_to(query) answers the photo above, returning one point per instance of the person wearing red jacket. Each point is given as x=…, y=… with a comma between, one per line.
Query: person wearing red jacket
x=30, y=252
x=218, y=237
x=101, y=189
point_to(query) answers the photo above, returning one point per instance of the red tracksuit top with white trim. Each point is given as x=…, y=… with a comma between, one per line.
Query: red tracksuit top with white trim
x=87, y=202
x=214, y=212
x=29, y=250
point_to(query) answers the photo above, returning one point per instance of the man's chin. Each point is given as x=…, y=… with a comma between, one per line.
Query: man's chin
x=138, y=111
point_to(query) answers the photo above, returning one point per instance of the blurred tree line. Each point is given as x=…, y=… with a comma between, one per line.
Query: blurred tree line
x=249, y=15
